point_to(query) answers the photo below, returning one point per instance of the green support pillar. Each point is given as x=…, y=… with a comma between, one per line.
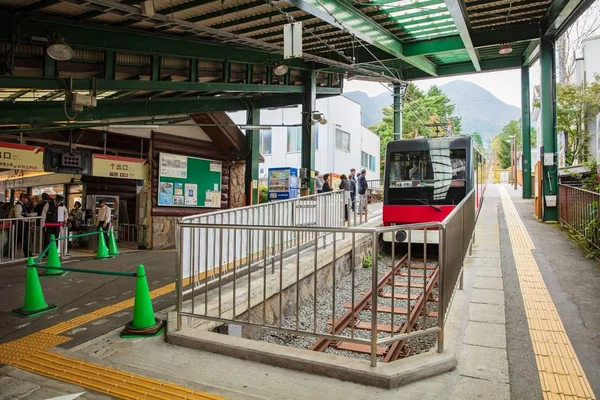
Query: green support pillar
x=526, y=132
x=397, y=112
x=309, y=104
x=548, y=98
x=252, y=158
x=155, y=68
x=110, y=64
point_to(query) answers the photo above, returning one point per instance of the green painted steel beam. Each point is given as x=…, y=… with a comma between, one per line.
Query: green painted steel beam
x=532, y=53
x=88, y=36
x=14, y=82
x=252, y=157
x=526, y=132
x=33, y=113
x=467, y=68
x=433, y=46
x=562, y=13
x=309, y=105
x=461, y=20
x=548, y=123
x=363, y=28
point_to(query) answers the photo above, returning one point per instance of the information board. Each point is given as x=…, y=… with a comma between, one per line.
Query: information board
x=21, y=157
x=189, y=181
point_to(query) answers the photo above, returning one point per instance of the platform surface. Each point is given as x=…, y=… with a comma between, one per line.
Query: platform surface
x=526, y=326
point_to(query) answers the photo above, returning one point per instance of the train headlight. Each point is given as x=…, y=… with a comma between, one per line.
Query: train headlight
x=401, y=236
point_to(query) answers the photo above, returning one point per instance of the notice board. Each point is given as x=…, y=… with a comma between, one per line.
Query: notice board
x=189, y=181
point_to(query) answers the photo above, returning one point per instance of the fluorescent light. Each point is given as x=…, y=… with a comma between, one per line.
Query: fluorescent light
x=133, y=126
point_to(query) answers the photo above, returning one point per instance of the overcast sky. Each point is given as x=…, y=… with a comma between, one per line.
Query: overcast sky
x=505, y=85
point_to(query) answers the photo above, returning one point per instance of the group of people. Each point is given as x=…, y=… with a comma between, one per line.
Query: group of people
x=53, y=213
x=352, y=184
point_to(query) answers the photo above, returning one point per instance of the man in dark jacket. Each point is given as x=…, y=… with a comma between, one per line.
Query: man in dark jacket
x=352, y=180
x=362, y=190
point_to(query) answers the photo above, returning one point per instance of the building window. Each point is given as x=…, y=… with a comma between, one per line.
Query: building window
x=294, y=139
x=265, y=142
x=368, y=161
x=342, y=140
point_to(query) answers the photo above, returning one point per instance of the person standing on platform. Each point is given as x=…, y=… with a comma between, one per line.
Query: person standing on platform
x=50, y=219
x=104, y=216
x=326, y=184
x=362, y=190
x=318, y=183
x=345, y=186
x=20, y=213
x=352, y=179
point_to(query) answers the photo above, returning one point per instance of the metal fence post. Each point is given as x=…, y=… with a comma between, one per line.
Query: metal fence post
x=179, y=283
x=374, y=294
x=441, y=293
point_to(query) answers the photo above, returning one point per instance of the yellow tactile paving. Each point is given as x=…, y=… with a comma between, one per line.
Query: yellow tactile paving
x=106, y=380
x=30, y=353
x=561, y=374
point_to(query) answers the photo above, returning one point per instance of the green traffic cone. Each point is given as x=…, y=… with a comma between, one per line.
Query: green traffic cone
x=53, y=260
x=35, y=303
x=112, y=244
x=102, y=250
x=144, y=323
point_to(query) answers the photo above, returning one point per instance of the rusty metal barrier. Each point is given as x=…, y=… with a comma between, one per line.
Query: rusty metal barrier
x=578, y=212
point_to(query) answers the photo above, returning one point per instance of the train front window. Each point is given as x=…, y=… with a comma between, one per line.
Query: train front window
x=432, y=176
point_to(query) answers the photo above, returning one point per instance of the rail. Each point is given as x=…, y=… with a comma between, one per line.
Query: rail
x=19, y=238
x=132, y=233
x=276, y=274
x=578, y=212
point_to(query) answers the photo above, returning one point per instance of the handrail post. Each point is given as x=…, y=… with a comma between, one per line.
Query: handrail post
x=374, y=294
x=441, y=293
x=179, y=283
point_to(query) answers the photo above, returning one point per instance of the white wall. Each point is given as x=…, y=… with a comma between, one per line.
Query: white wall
x=371, y=145
x=340, y=112
x=591, y=68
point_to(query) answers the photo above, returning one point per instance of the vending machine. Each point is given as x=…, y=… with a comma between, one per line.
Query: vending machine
x=283, y=183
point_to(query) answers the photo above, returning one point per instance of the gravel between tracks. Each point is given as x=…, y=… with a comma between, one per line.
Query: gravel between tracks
x=343, y=297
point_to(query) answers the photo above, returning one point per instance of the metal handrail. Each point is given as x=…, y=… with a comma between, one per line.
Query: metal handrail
x=457, y=227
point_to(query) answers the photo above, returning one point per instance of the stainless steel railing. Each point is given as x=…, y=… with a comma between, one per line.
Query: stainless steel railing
x=18, y=237
x=578, y=211
x=261, y=269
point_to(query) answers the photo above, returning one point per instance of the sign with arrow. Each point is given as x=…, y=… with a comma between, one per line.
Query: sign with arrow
x=119, y=167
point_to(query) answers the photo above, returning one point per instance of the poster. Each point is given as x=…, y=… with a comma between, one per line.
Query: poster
x=191, y=194
x=173, y=166
x=165, y=193
x=215, y=166
x=178, y=189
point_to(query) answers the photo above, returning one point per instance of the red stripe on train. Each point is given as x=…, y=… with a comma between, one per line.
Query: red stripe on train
x=414, y=214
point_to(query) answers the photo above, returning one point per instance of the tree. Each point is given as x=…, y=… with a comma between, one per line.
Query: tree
x=477, y=138
x=502, y=143
x=571, y=42
x=418, y=109
x=577, y=105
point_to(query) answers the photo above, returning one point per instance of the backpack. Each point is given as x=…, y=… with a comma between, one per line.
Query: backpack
x=51, y=214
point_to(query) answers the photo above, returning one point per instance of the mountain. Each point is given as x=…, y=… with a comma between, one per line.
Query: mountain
x=479, y=109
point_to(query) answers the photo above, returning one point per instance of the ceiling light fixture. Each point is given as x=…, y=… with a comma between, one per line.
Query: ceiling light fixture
x=59, y=50
x=280, y=69
x=506, y=49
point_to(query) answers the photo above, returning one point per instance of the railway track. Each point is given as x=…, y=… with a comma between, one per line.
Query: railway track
x=398, y=284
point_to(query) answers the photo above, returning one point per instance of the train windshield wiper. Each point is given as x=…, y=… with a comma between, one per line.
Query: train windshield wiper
x=422, y=202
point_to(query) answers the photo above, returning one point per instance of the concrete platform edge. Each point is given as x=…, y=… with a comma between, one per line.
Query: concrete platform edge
x=388, y=376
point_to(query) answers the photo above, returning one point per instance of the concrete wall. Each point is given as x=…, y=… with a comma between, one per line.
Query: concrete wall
x=341, y=113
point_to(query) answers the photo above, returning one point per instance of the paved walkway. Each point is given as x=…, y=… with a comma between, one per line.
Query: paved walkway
x=524, y=327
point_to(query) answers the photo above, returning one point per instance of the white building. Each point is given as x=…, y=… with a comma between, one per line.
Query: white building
x=586, y=69
x=341, y=144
